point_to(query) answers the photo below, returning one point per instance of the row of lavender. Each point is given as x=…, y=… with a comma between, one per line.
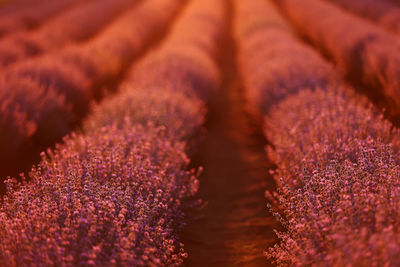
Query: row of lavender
x=42, y=98
x=24, y=15
x=367, y=53
x=76, y=24
x=385, y=13
x=338, y=159
x=113, y=194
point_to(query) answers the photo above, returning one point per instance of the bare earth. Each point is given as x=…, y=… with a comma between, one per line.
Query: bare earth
x=235, y=227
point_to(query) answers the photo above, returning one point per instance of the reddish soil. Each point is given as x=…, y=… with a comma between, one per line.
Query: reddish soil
x=234, y=228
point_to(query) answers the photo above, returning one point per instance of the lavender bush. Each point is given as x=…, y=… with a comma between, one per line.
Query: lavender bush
x=181, y=114
x=337, y=157
x=64, y=80
x=107, y=199
x=284, y=66
x=39, y=117
x=110, y=53
x=340, y=193
x=113, y=195
x=76, y=24
x=72, y=74
x=211, y=18
x=367, y=53
x=19, y=46
x=347, y=117
x=188, y=58
x=26, y=15
x=194, y=71
x=384, y=13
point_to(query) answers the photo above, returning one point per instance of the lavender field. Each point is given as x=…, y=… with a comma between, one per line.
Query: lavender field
x=200, y=133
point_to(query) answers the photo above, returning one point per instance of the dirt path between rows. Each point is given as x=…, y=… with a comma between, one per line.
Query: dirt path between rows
x=235, y=227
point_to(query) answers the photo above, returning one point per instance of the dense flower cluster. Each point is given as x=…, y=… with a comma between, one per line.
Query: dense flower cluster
x=109, y=198
x=110, y=53
x=74, y=73
x=384, y=13
x=339, y=168
x=367, y=52
x=76, y=24
x=347, y=117
x=188, y=58
x=337, y=159
x=285, y=65
x=24, y=15
x=113, y=194
x=188, y=67
x=171, y=105
x=176, y=78
x=49, y=107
